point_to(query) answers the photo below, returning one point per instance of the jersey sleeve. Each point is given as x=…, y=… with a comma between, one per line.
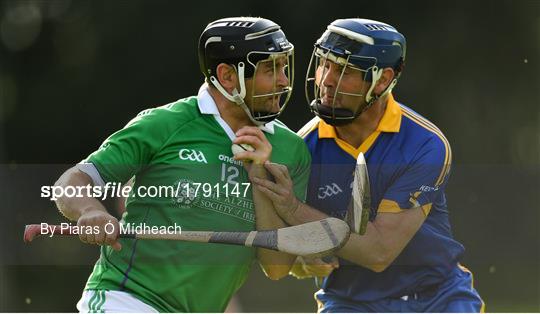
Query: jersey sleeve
x=422, y=181
x=301, y=171
x=129, y=150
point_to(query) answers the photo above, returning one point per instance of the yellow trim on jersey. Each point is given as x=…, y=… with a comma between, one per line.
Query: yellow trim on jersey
x=351, y=150
x=426, y=208
x=431, y=127
x=389, y=206
x=326, y=130
x=390, y=122
x=465, y=269
x=320, y=304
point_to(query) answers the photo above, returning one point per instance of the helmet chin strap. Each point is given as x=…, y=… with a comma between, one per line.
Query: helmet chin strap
x=376, y=74
x=236, y=96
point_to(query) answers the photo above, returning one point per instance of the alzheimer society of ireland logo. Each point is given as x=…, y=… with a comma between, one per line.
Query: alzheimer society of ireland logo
x=185, y=195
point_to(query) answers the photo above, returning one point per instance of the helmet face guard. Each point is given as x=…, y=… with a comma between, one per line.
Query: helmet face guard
x=250, y=44
x=361, y=47
x=318, y=70
x=270, y=65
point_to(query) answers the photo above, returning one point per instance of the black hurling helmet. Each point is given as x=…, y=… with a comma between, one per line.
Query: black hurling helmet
x=363, y=46
x=244, y=42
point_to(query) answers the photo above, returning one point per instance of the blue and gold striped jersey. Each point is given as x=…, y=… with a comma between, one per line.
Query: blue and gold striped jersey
x=408, y=161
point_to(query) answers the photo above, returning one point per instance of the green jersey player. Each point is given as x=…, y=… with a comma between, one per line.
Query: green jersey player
x=184, y=173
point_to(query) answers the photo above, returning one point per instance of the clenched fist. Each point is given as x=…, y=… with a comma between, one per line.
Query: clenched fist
x=101, y=228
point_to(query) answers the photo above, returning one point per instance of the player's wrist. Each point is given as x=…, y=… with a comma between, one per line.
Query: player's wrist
x=257, y=170
x=92, y=210
x=261, y=157
x=291, y=212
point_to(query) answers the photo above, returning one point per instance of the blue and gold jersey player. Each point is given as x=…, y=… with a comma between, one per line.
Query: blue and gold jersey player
x=408, y=260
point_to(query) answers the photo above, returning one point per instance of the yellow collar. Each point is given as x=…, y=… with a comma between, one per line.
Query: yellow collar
x=390, y=122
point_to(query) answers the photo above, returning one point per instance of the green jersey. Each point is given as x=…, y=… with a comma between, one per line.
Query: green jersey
x=179, y=156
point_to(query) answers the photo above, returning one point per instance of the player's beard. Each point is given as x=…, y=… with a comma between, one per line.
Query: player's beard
x=269, y=104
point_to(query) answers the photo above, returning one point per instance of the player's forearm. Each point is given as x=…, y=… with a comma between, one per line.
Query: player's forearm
x=73, y=207
x=275, y=264
x=384, y=240
x=368, y=250
x=265, y=214
x=303, y=214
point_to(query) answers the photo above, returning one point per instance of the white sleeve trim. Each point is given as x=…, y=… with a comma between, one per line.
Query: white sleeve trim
x=91, y=170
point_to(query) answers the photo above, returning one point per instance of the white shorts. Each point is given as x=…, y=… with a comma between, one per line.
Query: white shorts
x=103, y=301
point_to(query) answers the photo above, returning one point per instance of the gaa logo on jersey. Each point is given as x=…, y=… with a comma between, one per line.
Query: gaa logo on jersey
x=185, y=195
x=192, y=155
x=328, y=191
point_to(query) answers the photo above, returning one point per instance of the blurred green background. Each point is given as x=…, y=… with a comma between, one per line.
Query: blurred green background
x=73, y=72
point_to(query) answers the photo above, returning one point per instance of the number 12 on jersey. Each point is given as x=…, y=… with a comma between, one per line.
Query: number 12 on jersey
x=229, y=173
